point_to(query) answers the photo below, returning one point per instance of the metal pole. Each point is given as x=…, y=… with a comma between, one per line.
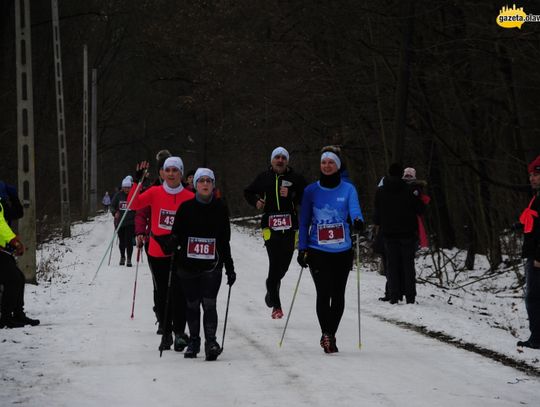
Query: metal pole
x=357, y=256
x=84, y=199
x=93, y=146
x=292, y=304
x=62, y=148
x=25, y=137
x=226, y=316
x=135, y=285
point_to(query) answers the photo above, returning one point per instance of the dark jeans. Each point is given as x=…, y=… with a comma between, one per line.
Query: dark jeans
x=176, y=314
x=330, y=272
x=201, y=289
x=532, y=299
x=12, y=278
x=280, y=249
x=400, y=272
x=125, y=239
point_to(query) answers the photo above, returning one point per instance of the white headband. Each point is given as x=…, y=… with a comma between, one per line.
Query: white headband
x=203, y=172
x=174, y=162
x=279, y=151
x=332, y=156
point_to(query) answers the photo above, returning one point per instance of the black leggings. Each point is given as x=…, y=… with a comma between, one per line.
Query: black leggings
x=330, y=272
x=201, y=288
x=125, y=239
x=13, y=280
x=280, y=249
x=176, y=314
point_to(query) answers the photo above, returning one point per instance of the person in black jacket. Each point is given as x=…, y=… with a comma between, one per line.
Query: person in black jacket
x=126, y=233
x=396, y=208
x=277, y=192
x=202, y=229
x=530, y=218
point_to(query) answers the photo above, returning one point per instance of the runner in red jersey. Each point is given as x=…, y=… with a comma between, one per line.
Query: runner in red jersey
x=164, y=200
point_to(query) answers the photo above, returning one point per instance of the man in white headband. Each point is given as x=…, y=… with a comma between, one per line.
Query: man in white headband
x=277, y=192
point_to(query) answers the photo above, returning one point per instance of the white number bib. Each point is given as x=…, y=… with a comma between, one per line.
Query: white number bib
x=201, y=248
x=166, y=219
x=122, y=205
x=330, y=234
x=280, y=222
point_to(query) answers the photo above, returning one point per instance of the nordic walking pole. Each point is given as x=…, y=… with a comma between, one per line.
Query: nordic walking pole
x=165, y=318
x=119, y=225
x=292, y=304
x=225, y=322
x=135, y=285
x=357, y=258
x=110, y=252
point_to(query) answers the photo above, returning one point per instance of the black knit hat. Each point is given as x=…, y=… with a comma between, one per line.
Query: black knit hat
x=395, y=170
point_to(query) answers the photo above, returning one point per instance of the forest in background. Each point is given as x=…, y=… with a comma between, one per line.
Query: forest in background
x=438, y=86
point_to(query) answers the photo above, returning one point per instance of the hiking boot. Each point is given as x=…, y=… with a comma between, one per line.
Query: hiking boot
x=180, y=342
x=385, y=298
x=21, y=317
x=212, y=349
x=122, y=261
x=10, y=322
x=193, y=347
x=326, y=343
x=529, y=344
x=268, y=300
x=277, y=313
x=128, y=264
x=166, y=342
x=411, y=300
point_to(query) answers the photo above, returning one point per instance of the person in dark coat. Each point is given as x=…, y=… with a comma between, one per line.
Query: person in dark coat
x=396, y=208
x=126, y=233
x=530, y=218
x=203, y=232
x=277, y=192
x=11, y=277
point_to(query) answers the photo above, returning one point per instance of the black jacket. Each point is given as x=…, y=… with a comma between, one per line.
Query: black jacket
x=266, y=186
x=396, y=208
x=198, y=220
x=531, y=241
x=120, y=201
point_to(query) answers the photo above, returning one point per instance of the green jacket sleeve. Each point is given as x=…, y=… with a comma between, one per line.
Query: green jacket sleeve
x=6, y=234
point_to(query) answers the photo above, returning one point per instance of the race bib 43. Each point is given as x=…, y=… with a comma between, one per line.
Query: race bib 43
x=166, y=219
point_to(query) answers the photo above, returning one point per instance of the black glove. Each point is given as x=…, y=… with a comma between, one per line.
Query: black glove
x=138, y=176
x=358, y=225
x=302, y=258
x=231, y=277
x=229, y=271
x=173, y=243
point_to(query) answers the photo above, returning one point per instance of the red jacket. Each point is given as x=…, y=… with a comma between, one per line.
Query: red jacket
x=163, y=207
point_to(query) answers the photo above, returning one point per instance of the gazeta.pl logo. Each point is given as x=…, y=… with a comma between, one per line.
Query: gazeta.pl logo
x=515, y=17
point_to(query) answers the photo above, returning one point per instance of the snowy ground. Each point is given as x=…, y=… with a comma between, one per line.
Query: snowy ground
x=89, y=352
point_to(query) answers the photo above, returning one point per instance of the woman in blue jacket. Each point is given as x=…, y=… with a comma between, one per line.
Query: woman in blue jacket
x=325, y=242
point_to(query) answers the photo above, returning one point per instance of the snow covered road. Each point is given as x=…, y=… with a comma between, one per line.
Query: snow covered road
x=88, y=352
